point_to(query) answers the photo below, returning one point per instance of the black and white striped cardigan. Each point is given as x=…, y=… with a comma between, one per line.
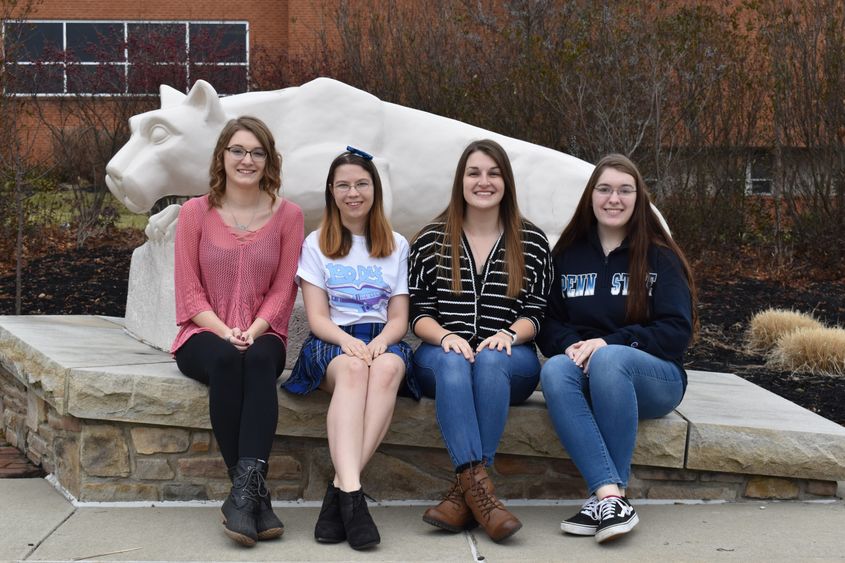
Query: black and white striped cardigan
x=476, y=313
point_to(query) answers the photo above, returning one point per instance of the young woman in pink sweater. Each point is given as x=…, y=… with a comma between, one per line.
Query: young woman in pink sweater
x=236, y=256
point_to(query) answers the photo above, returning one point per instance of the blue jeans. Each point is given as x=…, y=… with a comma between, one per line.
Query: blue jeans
x=472, y=399
x=596, y=416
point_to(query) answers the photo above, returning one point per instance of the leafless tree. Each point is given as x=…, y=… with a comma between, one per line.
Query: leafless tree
x=90, y=122
x=806, y=54
x=20, y=167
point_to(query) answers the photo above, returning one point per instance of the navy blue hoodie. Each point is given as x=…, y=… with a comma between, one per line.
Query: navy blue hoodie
x=588, y=301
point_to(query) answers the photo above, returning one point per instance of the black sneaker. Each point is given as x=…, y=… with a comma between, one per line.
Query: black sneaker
x=616, y=518
x=585, y=522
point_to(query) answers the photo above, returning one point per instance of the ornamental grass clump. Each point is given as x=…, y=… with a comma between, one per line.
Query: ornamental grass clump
x=768, y=326
x=812, y=350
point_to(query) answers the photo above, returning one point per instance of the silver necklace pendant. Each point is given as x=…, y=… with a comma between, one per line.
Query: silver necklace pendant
x=240, y=226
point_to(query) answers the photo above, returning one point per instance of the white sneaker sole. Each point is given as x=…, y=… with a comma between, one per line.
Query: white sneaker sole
x=577, y=529
x=613, y=532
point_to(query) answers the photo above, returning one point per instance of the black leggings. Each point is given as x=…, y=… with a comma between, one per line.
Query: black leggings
x=242, y=400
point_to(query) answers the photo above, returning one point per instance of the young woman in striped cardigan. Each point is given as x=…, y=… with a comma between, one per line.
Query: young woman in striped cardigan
x=479, y=278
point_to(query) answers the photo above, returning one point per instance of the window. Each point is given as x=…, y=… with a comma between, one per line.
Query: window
x=149, y=65
x=94, y=42
x=758, y=174
x=115, y=57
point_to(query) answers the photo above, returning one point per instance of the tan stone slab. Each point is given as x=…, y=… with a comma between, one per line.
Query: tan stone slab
x=39, y=349
x=158, y=394
x=736, y=426
x=662, y=441
x=120, y=321
x=155, y=394
x=78, y=340
x=413, y=423
x=529, y=431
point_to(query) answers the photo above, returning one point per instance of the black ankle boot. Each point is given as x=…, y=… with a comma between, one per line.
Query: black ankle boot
x=267, y=524
x=242, y=504
x=361, y=531
x=329, y=528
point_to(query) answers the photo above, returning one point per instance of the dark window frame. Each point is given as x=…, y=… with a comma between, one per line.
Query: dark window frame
x=759, y=174
x=123, y=59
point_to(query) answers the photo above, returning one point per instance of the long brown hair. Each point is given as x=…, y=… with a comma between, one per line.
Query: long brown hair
x=643, y=230
x=270, y=181
x=335, y=239
x=453, y=217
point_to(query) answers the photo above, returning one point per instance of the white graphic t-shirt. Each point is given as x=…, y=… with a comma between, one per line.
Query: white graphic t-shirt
x=358, y=285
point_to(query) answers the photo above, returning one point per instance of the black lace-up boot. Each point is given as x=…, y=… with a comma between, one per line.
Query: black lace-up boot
x=243, y=503
x=267, y=524
x=361, y=531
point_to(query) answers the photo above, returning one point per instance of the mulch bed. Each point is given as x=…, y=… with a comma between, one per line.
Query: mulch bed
x=93, y=280
x=726, y=304
x=65, y=280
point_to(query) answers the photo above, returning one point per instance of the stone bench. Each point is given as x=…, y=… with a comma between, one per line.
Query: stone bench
x=113, y=419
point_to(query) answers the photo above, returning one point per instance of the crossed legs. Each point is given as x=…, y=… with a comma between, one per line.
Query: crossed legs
x=361, y=408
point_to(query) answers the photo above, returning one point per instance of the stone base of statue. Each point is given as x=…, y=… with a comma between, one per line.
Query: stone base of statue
x=150, y=307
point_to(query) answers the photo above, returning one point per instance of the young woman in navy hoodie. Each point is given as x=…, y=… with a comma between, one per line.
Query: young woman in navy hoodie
x=621, y=315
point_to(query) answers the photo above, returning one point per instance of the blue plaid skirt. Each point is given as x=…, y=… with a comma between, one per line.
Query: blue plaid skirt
x=315, y=356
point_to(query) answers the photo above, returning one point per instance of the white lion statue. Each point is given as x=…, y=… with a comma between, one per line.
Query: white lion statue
x=415, y=152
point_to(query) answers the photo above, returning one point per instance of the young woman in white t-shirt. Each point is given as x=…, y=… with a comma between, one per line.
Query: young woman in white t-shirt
x=353, y=272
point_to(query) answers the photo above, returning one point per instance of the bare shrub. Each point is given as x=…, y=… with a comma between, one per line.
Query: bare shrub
x=804, y=42
x=21, y=171
x=768, y=326
x=812, y=350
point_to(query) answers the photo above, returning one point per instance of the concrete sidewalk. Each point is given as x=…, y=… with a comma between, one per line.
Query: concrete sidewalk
x=38, y=524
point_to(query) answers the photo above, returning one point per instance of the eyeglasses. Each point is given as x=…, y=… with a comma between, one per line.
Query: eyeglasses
x=240, y=153
x=624, y=191
x=344, y=187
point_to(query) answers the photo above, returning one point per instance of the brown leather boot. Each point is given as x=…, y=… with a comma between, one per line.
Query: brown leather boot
x=486, y=508
x=452, y=513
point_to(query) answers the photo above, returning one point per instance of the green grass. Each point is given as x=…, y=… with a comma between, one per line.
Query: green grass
x=57, y=204
x=129, y=220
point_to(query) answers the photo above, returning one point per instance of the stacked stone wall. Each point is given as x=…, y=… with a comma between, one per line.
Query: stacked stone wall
x=120, y=461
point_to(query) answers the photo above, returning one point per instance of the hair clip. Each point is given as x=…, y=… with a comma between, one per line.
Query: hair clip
x=359, y=152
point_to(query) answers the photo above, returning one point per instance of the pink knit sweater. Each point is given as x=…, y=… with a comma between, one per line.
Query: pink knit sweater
x=239, y=280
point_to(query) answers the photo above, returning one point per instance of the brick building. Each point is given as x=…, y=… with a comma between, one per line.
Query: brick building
x=120, y=49
x=64, y=43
